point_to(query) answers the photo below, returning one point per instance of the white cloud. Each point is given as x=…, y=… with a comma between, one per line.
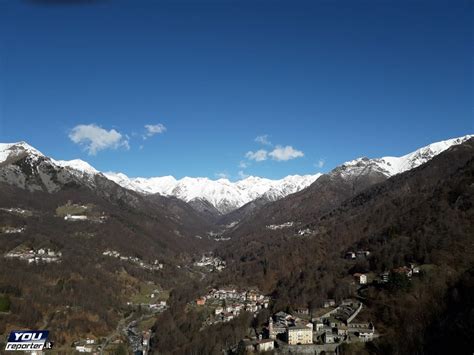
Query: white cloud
x=243, y=165
x=259, y=155
x=263, y=139
x=222, y=175
x=242, y=175
x=285, y=153
x=152, y=129
x=94, y=138
x=320, y=163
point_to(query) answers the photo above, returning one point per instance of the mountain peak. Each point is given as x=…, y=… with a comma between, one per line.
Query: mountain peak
x=8, y=150
x=390, y=166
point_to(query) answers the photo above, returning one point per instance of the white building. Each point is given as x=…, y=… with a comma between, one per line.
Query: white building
x=361, y=278
x=300, y=334
x=265, y=345
x=329, y=338
x=84, y=349
x=70, y=217
x=366, y=334
x=318, y=325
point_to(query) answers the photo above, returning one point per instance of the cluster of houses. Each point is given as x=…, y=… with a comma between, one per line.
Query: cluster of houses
x=85, y=346
x=359, y=254
x=139, y=340
x=35, y=256
x=228, y=303
x=362, y=279
x=152, y=307
x=384, y=277
x=12, y=230
x=218, y=236
x=17, y=211
x=291, y=329
x=300, y=232
x=340, y=323
x=329, y=303
x=155, y=265
x=408, y=271
x=335, y=326
x=304, y=232
x=280, y=226
x=212, y=263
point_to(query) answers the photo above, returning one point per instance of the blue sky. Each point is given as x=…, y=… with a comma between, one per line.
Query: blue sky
x=325, y=81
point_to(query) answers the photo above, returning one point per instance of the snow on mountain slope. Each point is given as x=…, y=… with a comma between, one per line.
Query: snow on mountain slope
x=10, y=150
x=390, y=166
x=13, y=150
x=227, y=196
x=155, y=185
x=27, y=168
x=290, y=185
x=77, y=164
x=222, y=194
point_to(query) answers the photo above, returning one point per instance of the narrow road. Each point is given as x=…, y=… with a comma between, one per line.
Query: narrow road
x=115, y=333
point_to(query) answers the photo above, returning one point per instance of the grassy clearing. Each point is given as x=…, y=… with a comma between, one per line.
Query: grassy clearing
x=74, y=209
x=146, y=290
x=147, y=324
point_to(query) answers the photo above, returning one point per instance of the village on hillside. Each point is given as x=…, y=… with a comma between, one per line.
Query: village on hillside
x=322, y=330
x=32, y=255
x=225, y=304
x=295, y=330
x=153, y=266
x=211, y=263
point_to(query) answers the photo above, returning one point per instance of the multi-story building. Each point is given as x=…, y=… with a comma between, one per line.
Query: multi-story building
x=300, y=334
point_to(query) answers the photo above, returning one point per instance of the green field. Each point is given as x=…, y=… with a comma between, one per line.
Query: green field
x=74, y=209
x=145, y=292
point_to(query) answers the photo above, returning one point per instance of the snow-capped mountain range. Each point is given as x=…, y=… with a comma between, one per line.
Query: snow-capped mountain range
x=225, y=195
x=390, y=166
